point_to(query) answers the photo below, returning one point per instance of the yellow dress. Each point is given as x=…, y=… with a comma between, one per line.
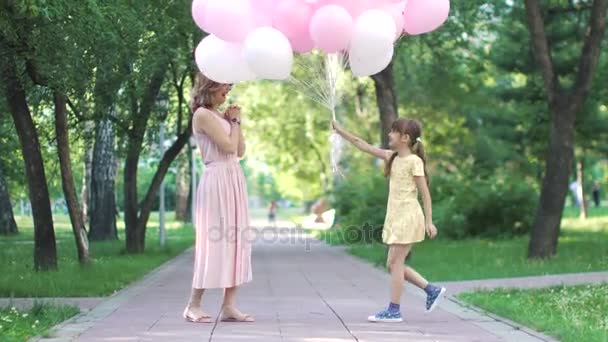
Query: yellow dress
x=404, y=222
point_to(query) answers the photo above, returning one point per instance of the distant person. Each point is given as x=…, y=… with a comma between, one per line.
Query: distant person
x=405, y=224
x=574, y=190
x=272, y=213
x=596, y=194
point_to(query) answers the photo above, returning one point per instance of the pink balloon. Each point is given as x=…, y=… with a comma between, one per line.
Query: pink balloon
x=422, y=16
x=302, y=44
x=353, y=7
x=331, y=28
x=396, y=11
x=198, y=13
x=265, y=5
x=292, y=17
x=261, y=18
x=230, y=20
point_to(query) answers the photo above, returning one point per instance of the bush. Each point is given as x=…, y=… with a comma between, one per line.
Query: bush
x=360, y=203
x=496, y=207
x=464, y=205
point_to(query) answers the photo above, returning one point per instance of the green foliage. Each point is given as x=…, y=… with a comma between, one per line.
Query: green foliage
x=571, y=314
x=110, y=268
x=20, y=325
x=583, y=248
x=499, y=206
x=360, y=203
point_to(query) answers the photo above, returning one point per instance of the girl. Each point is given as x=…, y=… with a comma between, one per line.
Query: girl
x=223, y=250
x=405, y=223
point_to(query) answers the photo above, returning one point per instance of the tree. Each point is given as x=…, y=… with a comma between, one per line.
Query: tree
x=45, y=252
x=564, y=103
x=8, y=226
x=67, y=180
x=386, y=99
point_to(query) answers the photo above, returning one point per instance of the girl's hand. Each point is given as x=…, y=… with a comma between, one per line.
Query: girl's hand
x=431, y=230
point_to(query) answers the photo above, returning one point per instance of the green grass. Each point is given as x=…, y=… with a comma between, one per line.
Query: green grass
x=571, y=314
x=583, y=247
x=18, y=325
x=110, y=271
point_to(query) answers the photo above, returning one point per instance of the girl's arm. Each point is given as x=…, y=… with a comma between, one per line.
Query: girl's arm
x=423, y=187
x=360, y=143
x=204, y=122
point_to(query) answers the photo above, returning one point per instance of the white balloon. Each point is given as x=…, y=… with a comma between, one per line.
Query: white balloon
x=269, y=53
x=221, y=61
x=367, y=65
x=374, y=33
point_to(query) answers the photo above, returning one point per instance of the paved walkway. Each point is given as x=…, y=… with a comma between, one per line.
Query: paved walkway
x=302, y=291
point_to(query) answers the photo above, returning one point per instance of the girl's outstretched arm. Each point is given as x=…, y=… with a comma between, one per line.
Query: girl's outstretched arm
x=360, y=143
x=423, y=187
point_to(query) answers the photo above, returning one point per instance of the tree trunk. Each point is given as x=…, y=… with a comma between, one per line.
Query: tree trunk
x=8, y=226
x=387, y=101
x=102, y=212
x=135, y=231
x=67, y=179
x=45, y=252
x=168, y=158
x=183, y=189
x=543, y=243
x=564, y=106
x=85, y=194
x=581, y=188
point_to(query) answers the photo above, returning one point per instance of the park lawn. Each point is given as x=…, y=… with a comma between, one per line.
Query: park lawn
x=583, y=247
x=571, y=314
x=17, y=325
x=111, y=268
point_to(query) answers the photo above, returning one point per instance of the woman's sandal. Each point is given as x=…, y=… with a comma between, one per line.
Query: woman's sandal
x=190, y=317
x=236, y=317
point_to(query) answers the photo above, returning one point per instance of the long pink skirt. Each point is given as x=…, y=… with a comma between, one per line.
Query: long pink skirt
x=223, y=235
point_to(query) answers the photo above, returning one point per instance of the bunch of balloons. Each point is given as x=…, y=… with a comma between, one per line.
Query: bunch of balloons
x=256, y=39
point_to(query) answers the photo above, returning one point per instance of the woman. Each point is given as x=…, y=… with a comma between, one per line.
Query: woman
x=223, y=251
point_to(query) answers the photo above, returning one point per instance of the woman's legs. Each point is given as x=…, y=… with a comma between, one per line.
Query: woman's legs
x=230, y=312
x=230, y=297
x=193, y=311
x=195, y=298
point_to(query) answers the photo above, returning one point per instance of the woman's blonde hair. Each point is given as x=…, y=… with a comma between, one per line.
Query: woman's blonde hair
x=202, y=92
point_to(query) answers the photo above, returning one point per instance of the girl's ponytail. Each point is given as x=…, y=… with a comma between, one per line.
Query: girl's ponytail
x=418, y=149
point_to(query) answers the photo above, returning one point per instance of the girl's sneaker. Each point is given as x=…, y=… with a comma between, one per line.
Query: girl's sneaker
x=434, y=297
x=386, y=316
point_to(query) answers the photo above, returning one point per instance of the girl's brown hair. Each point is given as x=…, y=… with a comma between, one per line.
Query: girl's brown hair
x=202, y=92
x=414, y=130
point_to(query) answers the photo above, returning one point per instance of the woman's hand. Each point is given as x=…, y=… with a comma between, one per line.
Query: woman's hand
x=233, y=112
x=431, y=230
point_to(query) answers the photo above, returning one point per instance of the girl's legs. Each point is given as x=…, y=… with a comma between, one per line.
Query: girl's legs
x=395, y=264
x=229, y=310
x=433, y=292
x=415, y=278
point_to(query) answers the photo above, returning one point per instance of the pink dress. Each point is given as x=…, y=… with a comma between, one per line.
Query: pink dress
x=223, y=244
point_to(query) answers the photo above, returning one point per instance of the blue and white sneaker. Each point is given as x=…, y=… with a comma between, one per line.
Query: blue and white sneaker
x=434, y=297
x=386, y=316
